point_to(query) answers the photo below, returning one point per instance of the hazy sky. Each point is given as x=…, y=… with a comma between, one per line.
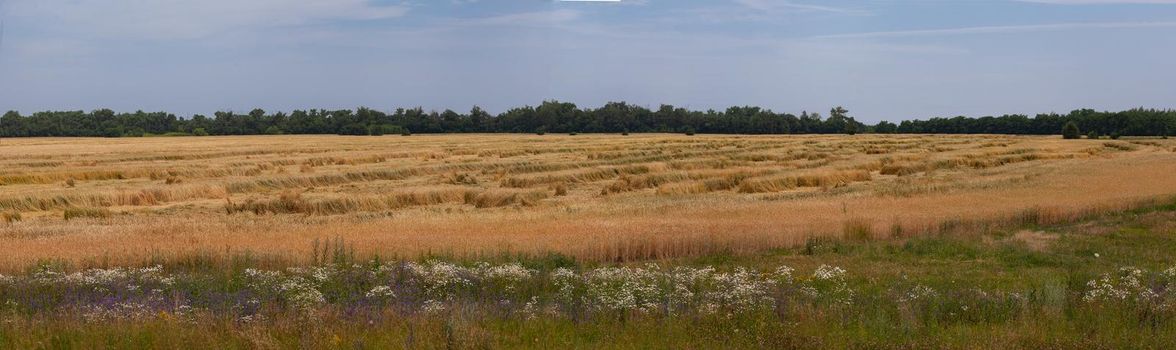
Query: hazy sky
x=881, y=59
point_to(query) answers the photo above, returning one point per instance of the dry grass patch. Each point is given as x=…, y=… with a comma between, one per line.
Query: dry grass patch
x=86, y=212
x=10, y=216
x=788, y=182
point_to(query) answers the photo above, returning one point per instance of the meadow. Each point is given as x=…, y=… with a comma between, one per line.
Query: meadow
x=587, y=241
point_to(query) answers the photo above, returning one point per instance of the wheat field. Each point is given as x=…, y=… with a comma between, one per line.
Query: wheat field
x=592, y=197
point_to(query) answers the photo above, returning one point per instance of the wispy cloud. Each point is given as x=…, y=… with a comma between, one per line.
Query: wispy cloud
x=997, y=29
x=1093, y=2
x=189, y=19
x=777, y=5
x=758, y=10
x=526, y=18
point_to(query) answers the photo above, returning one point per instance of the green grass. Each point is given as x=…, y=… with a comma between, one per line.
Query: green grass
x=1047, y=267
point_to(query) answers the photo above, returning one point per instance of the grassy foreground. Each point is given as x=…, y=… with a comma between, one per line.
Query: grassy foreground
x=1105, y=283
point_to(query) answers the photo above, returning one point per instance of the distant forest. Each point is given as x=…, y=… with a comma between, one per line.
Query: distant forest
x=562, y=117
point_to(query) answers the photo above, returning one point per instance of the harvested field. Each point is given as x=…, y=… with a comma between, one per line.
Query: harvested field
x=594, y=197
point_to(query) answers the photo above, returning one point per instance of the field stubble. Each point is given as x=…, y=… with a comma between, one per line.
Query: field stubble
x=593, y=197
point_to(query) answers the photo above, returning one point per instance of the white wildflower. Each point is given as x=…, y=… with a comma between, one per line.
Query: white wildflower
x=439, y=279
x=918, y=293
x=432, y=306
x=740, y=291
x=826, y=272
x=784, y=273
x=381, y=292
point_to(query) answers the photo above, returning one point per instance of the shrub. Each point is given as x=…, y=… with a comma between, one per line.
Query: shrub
x=1115, y=135
x=388, y=129
x=572, y=133
x=690, y=132
x=134, y=132
x=541, y=131
x=86, y=212
x=199, y=132
x=406, y=132
x=273, y=130
x=353, y=129
x=376, y=130
x=1070, y=131
x=1093, y=135
x=10, y=216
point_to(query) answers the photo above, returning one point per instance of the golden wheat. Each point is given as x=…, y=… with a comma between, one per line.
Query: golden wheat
x=595, y=197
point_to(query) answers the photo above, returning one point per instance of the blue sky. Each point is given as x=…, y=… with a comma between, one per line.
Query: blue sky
x=881, y=59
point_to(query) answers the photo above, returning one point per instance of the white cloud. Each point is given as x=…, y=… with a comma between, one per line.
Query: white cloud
x=188, y=19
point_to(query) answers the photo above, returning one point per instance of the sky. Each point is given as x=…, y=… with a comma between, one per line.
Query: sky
x=881, y=59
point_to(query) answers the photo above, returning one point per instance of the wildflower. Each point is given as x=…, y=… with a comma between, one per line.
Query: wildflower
x=740, y=291
x=432, y=306
x=829, y=282
x=1125, y=285
x=380, y=292
x=439, y=279
x=248, y=319
x=506, y=277
x=826, y=272
x=784, y=273
x=919, y=292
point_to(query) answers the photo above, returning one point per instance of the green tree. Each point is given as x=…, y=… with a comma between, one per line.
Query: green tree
x=1070, y=131
x=885, y=127
x=353, y=129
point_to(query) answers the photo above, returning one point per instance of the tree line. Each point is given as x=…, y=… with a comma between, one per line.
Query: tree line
x=563, y=117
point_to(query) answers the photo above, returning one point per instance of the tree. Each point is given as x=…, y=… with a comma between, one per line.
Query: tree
x=353, y=129
x=562, y=117
x=885, y=127
x=1070, y=131
x=376, y=130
